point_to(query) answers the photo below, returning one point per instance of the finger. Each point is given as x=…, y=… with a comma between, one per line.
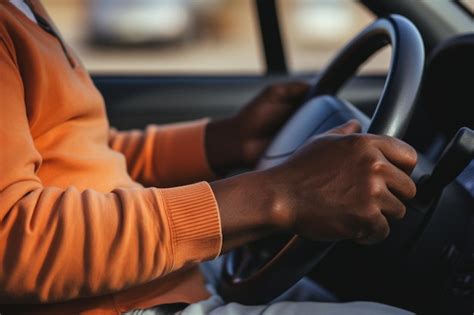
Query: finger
x=397, y=152
x=291, y=93
x=352, y=126
x=391, y=206
x=396, y=180
x=377, y=231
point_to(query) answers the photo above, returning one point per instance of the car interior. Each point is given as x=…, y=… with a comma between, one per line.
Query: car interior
x=426, y=265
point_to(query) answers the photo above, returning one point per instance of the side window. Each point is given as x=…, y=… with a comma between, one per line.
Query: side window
x=314, y=30
x=469, y=5
x=161, y=36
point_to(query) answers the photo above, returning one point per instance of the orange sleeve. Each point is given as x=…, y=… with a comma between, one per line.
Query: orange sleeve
x=59, y=244
x=165, y=156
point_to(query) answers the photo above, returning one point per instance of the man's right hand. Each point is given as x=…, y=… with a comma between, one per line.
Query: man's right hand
x=344, y=186
x=340, y=185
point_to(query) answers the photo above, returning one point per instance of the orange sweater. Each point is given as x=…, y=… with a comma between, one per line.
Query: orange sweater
x=76, y=229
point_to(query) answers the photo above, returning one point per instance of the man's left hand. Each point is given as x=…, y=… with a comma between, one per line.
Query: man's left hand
x=240, y=140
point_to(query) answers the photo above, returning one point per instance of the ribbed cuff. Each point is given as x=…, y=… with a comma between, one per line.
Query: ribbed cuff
x=195, y=223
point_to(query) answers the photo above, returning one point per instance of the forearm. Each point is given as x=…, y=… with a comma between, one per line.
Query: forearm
x=249, y=209
x=165, y=156
x=62, y=244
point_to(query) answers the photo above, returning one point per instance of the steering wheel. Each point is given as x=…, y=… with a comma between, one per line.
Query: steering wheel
x=262, y=280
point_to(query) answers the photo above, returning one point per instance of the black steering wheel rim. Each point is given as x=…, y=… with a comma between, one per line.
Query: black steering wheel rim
x=406, y=70
x=392, y=116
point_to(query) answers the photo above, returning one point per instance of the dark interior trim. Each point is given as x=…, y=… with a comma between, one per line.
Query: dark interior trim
x=135, y=101
x=271, y=37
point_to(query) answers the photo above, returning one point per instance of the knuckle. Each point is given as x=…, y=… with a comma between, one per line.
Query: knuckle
x=372, y=138
x=350, y=140
x=358, y=140
x=379, y=167
x=360, y=146
x=277, y=89
x=375, y=189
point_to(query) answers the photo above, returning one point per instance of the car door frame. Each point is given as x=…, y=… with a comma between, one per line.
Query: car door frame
x=133, y=101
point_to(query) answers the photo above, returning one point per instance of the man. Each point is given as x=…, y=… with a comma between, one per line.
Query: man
x=81, y=234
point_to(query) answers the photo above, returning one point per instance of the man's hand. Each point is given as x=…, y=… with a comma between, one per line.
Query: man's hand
x=345, y=186
x=340, y=185
x=240, y=140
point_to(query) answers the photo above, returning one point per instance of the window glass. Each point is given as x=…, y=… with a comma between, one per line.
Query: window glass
x=205, y=36
x=468, y=4
x=161, y=36
x=314, y=30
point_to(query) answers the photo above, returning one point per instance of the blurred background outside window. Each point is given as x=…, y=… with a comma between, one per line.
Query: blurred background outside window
x=314, y=30
x=468, y=4
x=204, y=36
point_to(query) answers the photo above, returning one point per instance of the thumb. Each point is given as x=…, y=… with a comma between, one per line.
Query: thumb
x=352, y=126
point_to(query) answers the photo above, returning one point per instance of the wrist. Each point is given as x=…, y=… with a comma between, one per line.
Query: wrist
x=245, y=209
x=224, y=145
x=281, y=210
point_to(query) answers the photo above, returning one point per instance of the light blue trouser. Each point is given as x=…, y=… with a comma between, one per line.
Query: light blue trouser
x=300, y=299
